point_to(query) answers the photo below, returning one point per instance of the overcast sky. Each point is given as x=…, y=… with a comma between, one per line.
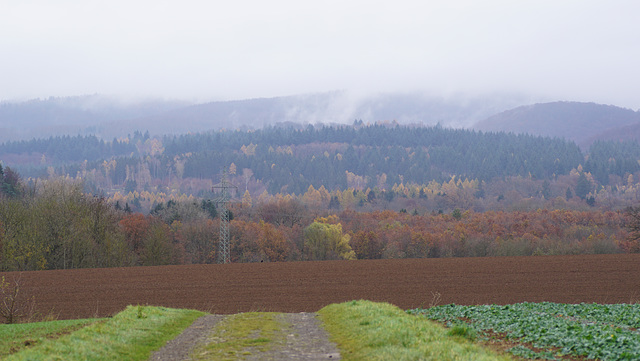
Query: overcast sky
x=212, y=50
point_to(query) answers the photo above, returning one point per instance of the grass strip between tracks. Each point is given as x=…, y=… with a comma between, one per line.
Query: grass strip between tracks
x=365, y=330
x=130, y=335
x=241, y=335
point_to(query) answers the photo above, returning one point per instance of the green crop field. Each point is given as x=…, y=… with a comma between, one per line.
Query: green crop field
x=550, y=330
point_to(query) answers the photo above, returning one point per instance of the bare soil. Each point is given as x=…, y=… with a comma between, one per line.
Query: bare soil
x=308, y=286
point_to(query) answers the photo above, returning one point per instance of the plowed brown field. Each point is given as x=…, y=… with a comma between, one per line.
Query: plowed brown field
x=308, y=286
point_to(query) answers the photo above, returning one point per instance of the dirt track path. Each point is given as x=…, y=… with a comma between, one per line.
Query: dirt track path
x=179, y=348
x=304, y=339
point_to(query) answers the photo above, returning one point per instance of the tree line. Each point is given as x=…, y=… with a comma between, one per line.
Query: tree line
x=55, y=225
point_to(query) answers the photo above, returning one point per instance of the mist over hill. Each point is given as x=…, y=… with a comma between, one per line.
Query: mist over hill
x=619, y=134
x=79, y=115
x=581, y=122
x=108, y=117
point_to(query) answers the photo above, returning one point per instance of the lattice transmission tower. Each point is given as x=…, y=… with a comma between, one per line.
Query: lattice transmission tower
x=223, y=200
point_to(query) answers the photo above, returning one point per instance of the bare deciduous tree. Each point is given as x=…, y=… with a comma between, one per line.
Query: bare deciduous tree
x=14, y=304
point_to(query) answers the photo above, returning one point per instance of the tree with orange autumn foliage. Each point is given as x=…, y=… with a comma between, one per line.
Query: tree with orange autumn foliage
x=258, y=242
x=284, y=211
x=632, y=224
x=366, y=245
x=272, y=244
x=135, y=227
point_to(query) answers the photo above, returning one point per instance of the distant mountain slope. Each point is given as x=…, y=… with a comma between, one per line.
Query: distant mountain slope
x=249, y=113
x=41, y=118
x=624, y=133
x=328, y=108
x=108, y=118
x=579, y=122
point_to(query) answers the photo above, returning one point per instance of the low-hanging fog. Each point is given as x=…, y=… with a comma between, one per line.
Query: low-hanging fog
x=200, y=51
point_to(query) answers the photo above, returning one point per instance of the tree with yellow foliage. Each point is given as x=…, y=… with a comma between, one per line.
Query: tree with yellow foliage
x=324, y=241
x=312, y=198
x=246, y=200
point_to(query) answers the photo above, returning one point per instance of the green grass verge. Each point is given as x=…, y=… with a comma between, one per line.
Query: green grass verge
x=365, y=330
x=16, y=337
x=241, y=335
x=130, y=335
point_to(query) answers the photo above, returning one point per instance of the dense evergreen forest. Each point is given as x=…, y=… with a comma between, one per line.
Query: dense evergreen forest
x=321, y=155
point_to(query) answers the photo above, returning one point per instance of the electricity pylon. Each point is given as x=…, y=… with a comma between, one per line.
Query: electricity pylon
x=223, y=200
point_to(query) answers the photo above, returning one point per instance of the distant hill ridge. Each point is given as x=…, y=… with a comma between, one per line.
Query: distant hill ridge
x=624, y=133
x=87, y=114
x=108, y=118
x=580, y=122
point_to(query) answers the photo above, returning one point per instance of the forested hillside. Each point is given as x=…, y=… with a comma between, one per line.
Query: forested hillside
x=440, y=168
x=302, y=193
x=293, y=159
x=386, y=158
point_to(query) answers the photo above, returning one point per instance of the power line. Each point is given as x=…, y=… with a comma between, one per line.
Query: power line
x=224, y=199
